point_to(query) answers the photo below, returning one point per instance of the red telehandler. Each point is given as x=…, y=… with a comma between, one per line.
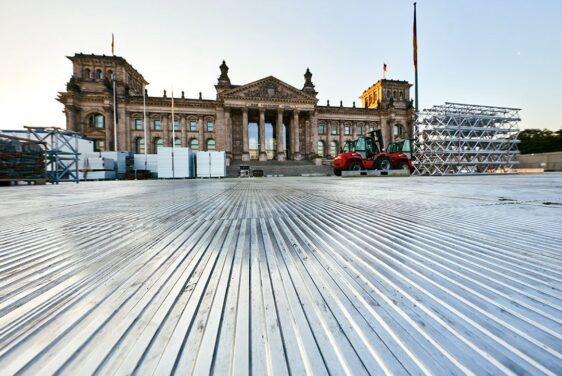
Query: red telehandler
x=368, y=153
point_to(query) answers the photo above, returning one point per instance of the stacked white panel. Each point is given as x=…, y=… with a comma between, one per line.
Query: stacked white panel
x=120, y=159
x=203, y=164
x=180, y=167
x=211, y=164
x=218, y=164
x=95, y=162
x=151, y=164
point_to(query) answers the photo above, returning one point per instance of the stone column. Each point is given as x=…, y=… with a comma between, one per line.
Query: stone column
x=148, y=141
x=129, y=123
x=280, y=136
x=202, y=146
x=166, y=131
x=227, y=133
x=342, y=137
x=183, y=128
x=296, y=136
x=245, y=140
x=108, y=115
x=262, y=155
x=314, y=133
x=328, y=144
x=386, y=128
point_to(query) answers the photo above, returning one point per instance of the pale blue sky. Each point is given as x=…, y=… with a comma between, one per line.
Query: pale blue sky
x=505, y=53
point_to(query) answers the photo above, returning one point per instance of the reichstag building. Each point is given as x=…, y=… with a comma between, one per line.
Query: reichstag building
x=261, y=120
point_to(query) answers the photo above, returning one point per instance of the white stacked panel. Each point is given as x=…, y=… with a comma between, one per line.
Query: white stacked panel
x=181, y=166
x=95, y=162
x=203, y=164
x=218, y=164
x=120, y=159
x=151, y=164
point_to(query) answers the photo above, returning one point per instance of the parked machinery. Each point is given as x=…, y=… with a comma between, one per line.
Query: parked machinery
x=368, y=153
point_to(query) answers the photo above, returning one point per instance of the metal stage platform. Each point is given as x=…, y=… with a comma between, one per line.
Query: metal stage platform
x=420, y=275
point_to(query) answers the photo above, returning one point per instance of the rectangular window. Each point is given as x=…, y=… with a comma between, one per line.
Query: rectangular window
x=138, y=123
x=99, y=145
x=176, y=125
x=321, y=129
x=210, y=126
x=193, y=125
x=347, y=130
x=334, y=129
x=157, y=125
x=359, y=130
x=99, y=121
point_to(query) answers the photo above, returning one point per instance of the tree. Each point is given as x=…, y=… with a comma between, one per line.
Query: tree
x=540, y=141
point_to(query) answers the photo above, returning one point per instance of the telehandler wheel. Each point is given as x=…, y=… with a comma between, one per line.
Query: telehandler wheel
x=337, y=172
x=355, y=166
x=382, y=163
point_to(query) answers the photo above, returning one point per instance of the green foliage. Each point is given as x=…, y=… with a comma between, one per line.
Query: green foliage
x=540, y=141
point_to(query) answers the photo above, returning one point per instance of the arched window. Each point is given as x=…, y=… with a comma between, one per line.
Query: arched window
x=110, y=74
x=211, y=144
x=347, y=130
x=177, y=142
x=394, y=94
x=397, y=130
x=210, y=125
x=401, y=94
x=87, y=74
x=99, y=74
x=321, y=128
x=194, y=144
x=96, y=121
x=333, y=148
x=176, y=124
x=139, y=145
x=334, y=130
x=359, y=130
x=158, y=143
x=321, y=148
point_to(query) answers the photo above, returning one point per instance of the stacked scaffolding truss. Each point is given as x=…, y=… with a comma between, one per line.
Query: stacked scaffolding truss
x=459, y=138
x=61, y=152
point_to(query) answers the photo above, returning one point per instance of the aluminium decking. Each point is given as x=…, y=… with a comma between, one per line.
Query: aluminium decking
x=420, y=275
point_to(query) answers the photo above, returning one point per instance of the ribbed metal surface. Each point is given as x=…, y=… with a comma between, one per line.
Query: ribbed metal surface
x=288, y=275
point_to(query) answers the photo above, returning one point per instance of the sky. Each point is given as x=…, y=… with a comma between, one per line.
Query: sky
x=493, y=52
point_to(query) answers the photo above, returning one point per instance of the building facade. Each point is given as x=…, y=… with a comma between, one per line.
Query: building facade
x=265, y=119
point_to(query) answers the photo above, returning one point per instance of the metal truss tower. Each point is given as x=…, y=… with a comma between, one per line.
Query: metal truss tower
x=61, y=152
x=459, y=138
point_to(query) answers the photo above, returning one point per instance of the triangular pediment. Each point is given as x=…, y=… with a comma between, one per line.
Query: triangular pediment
x=268, y=89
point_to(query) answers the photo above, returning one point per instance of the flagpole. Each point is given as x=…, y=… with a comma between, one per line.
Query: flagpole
x=114, y=116
x=145, y=125
x=114, y=98
x=173, y=135
x=416, y=59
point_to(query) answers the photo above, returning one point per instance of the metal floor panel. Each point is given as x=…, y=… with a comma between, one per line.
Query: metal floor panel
x=420, y=275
